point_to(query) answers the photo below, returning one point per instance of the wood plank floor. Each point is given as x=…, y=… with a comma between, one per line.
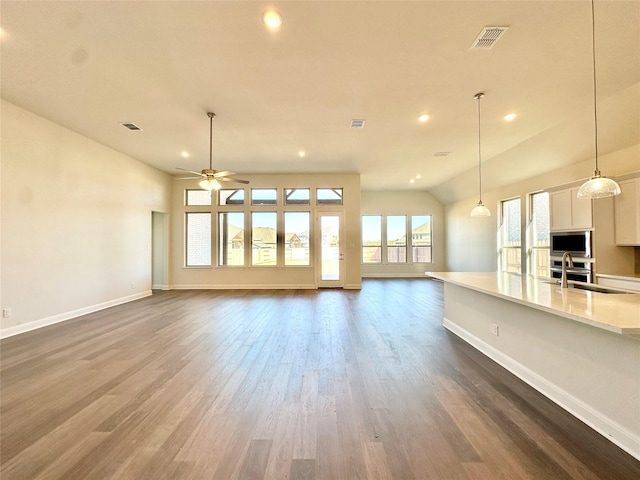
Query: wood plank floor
x=327, y=384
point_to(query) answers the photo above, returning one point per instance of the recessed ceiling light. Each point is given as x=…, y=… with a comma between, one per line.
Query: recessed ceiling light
x=272, y=19
x=418, y=176
x=423, y=118
x=412, y=181
x=184, y=154
x=510, y=116
x=302, y=153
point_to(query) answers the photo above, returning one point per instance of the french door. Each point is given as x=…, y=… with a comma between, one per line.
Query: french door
x=330, y=265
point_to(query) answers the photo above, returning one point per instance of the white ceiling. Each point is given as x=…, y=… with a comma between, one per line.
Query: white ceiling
x=162, y=65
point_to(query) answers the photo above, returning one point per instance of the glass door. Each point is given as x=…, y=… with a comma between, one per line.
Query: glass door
x=330, y=238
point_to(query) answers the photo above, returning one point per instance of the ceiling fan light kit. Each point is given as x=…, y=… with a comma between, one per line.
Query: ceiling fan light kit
x=597, y=186
x=479, y=210
x=212, y=178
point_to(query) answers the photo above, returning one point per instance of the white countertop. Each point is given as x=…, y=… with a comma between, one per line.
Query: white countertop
x=618, y=313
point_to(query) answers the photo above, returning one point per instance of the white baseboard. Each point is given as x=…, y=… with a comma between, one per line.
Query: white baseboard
x=612, y=431
x=353, y=286
x=256, y=286
x=61, y=317
x=159, y=286
x=393, y=275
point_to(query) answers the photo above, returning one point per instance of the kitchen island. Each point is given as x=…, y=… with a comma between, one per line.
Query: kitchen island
x=579, y=348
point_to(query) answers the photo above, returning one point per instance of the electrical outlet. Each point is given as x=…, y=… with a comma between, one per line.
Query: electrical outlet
x=495, y=329
x=133, y=285
x=6, y=312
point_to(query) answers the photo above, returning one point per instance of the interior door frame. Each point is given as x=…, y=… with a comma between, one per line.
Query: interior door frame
x=320, y=283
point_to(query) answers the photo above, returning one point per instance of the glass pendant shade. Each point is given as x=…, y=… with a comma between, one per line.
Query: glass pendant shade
x=598, y=187
x=210, y=184
x=480, y=211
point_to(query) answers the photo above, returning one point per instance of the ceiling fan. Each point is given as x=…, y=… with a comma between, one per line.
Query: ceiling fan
x=211, y=178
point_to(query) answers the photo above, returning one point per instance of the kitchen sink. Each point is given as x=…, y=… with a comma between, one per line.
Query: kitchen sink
x=597, y=288
x=591, y=287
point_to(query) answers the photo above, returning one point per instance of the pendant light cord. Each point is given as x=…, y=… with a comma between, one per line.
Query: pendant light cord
x=479, y=96
x=595, y=102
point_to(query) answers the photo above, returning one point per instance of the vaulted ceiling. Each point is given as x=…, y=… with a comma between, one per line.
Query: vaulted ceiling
x=162, y=65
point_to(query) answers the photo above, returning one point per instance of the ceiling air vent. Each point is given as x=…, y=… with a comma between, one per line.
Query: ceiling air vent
x=488, y=37
x=131, y=126
x=442, y=154
x=357, y=123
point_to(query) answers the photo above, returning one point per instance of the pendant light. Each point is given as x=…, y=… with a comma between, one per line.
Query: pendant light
x=597, y=186
x=479, y=210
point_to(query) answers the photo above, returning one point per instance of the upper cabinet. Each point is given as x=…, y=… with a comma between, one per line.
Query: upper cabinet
x=568, y=212
x=627, y=212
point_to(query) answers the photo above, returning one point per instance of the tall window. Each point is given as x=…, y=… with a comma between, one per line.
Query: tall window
x=421, y=238
x=539, y=235
x=264, y=239
x=371, y=239
x=396, y=239
x=296, y=238
x=510, y=243
x=198, y=239
x=231, y=238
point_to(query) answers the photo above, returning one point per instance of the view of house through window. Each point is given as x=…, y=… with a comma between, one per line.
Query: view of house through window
x=509, y=237
x=296, y=238
x=264, y=239
x=396, y=242
x=231, y=238
x=539, y=235
x=421, y=238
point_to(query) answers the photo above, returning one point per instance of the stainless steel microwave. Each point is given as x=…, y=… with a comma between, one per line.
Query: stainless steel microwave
x=576, y=243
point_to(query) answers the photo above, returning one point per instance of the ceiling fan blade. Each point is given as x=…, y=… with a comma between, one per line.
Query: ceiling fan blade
x=187, y=178
x=224, y=173
x=232, y=180
x=190, y=171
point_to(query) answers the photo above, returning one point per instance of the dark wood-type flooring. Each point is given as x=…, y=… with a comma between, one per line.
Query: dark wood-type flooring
x=328, y=384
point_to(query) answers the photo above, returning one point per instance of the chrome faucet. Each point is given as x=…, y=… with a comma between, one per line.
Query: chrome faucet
x=565, y=256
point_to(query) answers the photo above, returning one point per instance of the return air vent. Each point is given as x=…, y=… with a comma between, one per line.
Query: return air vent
x=442, y=154
x=488, y=37
x=357, y=123
x=131, y=126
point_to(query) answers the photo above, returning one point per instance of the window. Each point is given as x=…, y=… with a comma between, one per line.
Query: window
x=296, y=238
x=296, y=196
x=197, y=197
x=396, y=239
x=231, y=238
x=421, y=238
x=509, y=238
x=371, y=239
x=264, y=239
x=397, y=244
x=263, y=196
x=232, y=197
x=539, y=235
x=329, y=196
x=198, y=239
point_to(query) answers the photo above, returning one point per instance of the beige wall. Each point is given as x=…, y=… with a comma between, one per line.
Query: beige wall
x=407, y=203
x=76, y=222
x=269, y=277
x=472, y=242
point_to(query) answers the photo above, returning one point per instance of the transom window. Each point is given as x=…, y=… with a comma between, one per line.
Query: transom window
x=329, y=196
x=263, y=196
x=296, y=196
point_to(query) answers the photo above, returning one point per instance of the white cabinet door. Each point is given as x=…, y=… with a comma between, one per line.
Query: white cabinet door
x=627, y=213
x=568, y=212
